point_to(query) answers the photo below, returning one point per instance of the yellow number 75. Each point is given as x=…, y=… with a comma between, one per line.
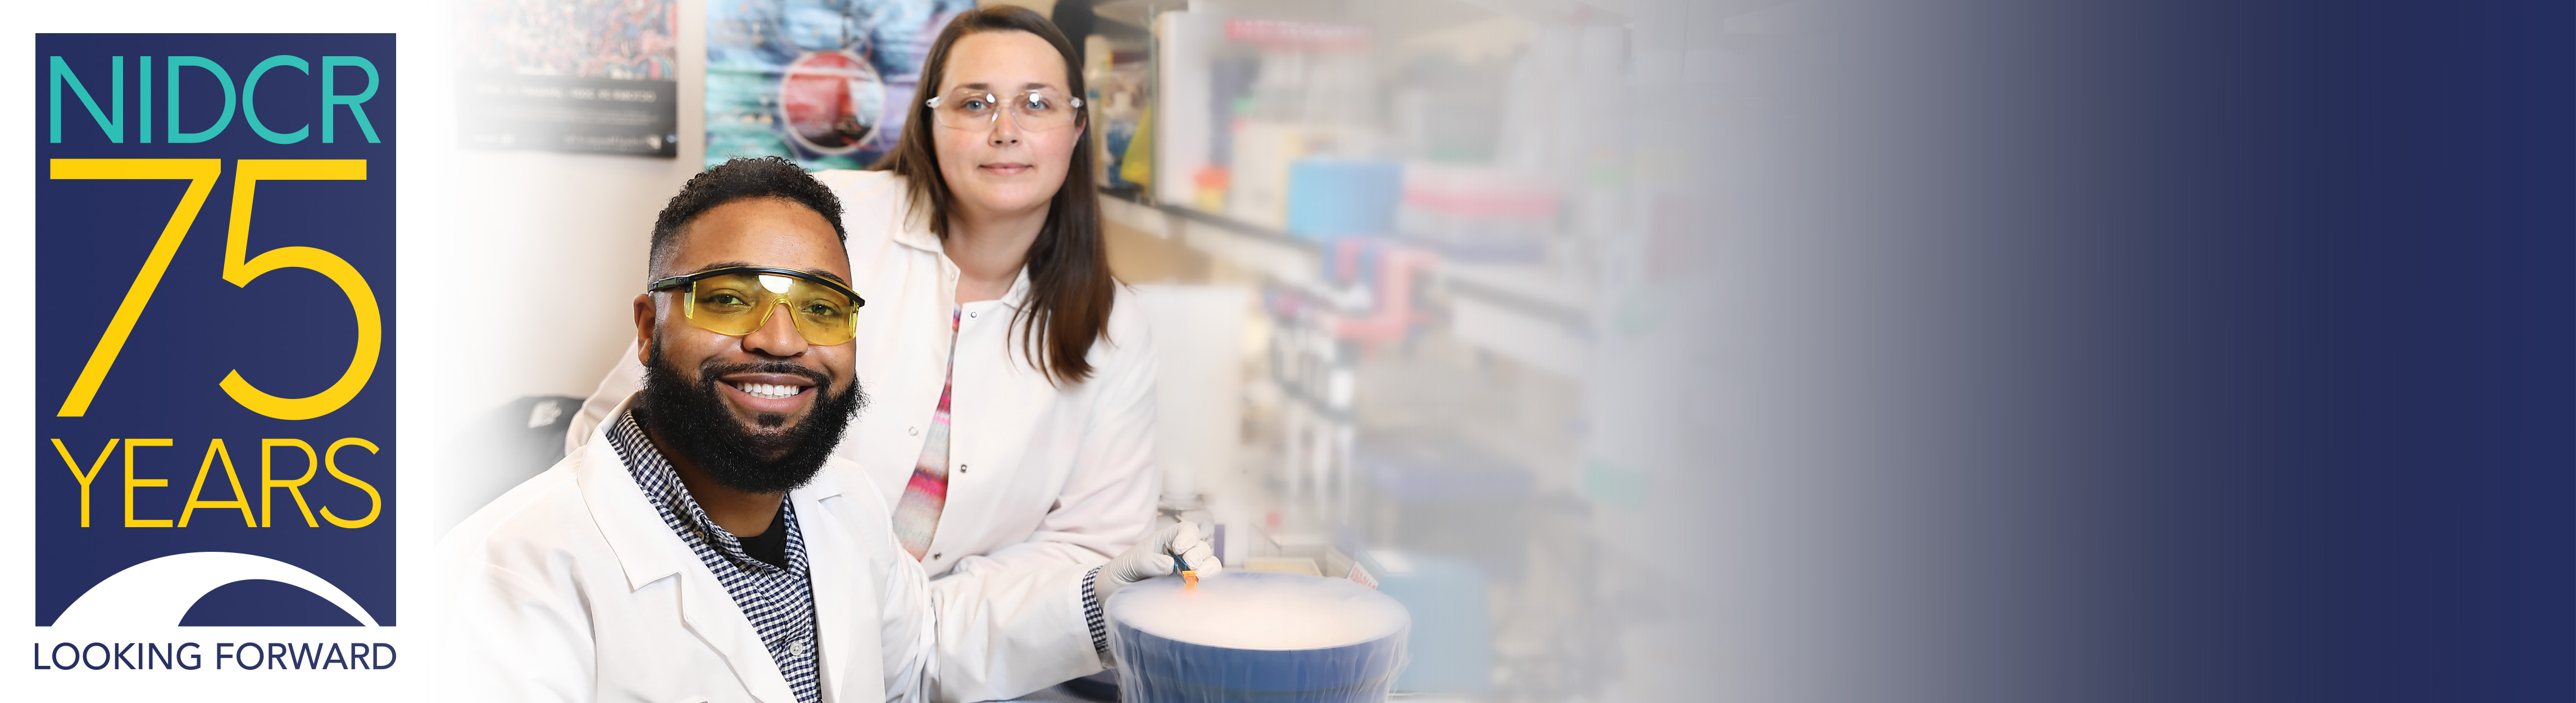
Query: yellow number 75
x=239, y=269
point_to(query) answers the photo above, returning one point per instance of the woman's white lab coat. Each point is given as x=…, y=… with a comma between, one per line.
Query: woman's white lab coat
x=571, y=588
x=1039, y=475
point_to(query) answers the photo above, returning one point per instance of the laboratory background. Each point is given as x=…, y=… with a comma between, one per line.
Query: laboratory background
x=1426, y=277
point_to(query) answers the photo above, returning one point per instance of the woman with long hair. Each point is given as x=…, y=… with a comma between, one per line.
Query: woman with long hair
x=1010, y=379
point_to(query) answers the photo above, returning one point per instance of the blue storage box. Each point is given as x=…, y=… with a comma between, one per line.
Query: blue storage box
x=1331, y=198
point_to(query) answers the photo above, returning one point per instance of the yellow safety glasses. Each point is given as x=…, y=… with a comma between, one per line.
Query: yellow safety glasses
x=736, y=300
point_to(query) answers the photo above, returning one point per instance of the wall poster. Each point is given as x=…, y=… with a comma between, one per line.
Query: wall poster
x=598, y=76
x=825, y=82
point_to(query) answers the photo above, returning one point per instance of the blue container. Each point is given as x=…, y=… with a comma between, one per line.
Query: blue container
x=1157, y=667
x=1334, y=198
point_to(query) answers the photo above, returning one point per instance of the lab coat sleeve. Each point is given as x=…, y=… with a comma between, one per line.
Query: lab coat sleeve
x=909, y=641
x=995, y=636
x=980, y=637
x=515, y=640
x=622, y=381
x=1107, y=503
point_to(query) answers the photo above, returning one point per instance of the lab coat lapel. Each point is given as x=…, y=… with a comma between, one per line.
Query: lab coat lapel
x=924, y=365
x=711, y=613
x=987, y=353
x=648, y=551
x=841, y=593
x=913, y=230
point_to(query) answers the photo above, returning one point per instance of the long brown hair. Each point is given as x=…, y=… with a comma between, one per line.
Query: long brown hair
x=1070, y=287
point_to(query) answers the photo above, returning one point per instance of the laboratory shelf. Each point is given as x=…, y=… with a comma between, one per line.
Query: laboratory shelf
x=1270, y=252
x=1528, y=313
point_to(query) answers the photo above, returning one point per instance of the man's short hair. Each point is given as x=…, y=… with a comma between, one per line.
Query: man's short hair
x=741, y=178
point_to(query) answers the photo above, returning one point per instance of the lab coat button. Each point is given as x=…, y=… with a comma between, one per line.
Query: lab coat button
x=913, y=430
x=934, y=555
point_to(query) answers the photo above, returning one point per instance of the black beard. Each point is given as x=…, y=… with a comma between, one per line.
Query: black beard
x=695, y=424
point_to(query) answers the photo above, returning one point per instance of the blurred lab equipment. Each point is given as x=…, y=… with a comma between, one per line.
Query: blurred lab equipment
x=1331, y=198
x=1450, y=647
x=1198, y=389
x=1453, y=223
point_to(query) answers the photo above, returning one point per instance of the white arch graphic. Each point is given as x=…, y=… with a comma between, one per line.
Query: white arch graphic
x=158, y=593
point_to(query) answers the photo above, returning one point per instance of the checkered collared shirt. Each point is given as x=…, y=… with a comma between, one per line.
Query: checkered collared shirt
x=779, y=602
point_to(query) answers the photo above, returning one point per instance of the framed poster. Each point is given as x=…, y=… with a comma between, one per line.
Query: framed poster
x=824, y=82
x=596, y=76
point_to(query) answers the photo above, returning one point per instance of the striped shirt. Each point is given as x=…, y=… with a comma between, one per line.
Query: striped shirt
x=916, y=514
x=778, y=601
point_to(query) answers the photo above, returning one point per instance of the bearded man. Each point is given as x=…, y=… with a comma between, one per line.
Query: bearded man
x=708, y=546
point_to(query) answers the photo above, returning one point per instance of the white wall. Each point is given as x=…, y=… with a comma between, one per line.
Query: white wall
x=518, y=275
x=566, y=231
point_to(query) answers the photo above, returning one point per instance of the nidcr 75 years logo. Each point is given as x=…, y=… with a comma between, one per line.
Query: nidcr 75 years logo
x=215, y=350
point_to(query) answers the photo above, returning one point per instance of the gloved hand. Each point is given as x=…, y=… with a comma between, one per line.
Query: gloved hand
x=1152, y=558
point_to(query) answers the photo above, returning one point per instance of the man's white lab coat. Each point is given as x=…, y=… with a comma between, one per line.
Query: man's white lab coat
x=1038, y=475
x=571, y=588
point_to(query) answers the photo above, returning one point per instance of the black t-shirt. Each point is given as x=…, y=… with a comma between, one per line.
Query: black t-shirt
x=770, y=546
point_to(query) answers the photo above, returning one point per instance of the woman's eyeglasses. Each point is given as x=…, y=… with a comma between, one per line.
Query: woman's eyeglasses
x=1035, y=110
